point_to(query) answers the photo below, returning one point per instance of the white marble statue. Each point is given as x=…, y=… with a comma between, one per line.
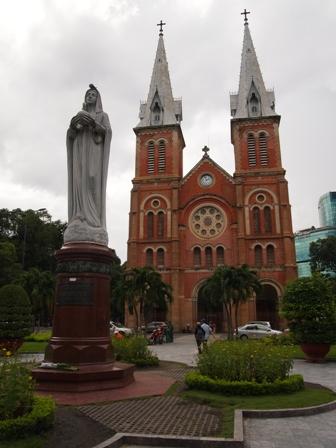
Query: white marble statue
x=88, y=147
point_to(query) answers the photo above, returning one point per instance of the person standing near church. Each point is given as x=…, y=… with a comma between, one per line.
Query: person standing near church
x=207, y=332
x=199, y=336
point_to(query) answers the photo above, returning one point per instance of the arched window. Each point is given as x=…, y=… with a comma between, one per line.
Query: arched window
x=162, y=156
x=160, y=224
x=251, y=150
x=254, y=105
x=149, y=257
x=270, y=255
x=256, y=219
x=208, y=258
x=263, y=150
x=150, y=158
x=160, y=257
x=258, y=261
x=156, y=113
x=268, y=219
x=150, y=224
x=220, y=256
x=197, y=257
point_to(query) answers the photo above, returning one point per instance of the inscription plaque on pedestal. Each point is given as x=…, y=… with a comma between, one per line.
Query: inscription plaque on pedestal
x=75, y=293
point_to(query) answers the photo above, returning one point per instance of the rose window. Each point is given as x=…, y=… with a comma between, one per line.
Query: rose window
x=207, y=221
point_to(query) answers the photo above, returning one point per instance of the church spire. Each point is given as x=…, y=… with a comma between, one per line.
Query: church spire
x=160, y=108
x=252, y=100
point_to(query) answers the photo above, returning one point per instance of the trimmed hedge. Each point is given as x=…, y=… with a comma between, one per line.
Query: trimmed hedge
x=15, y=312
x=195, y=380
x=39, y=419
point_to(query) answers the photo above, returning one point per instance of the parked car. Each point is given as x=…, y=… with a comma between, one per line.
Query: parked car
x=115, y=327
x=255, y=331
x=259, y=322
x=151, y=326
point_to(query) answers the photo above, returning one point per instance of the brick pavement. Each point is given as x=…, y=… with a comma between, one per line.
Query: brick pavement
x=158, y=415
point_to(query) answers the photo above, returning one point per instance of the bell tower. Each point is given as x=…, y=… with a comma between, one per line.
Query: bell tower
x=153, y=221
x=265, y=235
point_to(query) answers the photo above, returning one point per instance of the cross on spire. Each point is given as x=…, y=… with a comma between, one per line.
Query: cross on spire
x=244, y=13
x=161, y=24
x=206, y=150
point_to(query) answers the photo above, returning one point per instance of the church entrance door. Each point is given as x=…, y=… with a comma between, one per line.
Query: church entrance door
x=267, y=305
x=213, y=313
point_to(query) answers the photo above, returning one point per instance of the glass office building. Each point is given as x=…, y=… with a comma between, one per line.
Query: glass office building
x=303, y=238
x=327, y=209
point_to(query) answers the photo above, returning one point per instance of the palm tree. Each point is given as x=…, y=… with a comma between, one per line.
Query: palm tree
x=231, y=286
x=144, y=289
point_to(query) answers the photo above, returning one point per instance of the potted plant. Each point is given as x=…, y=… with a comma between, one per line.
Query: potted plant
x=309, y=305
x=15, y=317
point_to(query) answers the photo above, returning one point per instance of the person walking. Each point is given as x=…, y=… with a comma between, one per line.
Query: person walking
x=207, y=331
x=199, y=336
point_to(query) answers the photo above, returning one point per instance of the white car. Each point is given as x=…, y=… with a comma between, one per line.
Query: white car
x=117, y=328
x=255, y=331
x=259, y=322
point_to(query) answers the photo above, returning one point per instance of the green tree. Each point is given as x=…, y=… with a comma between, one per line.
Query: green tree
x=9, y=268
x=230, y=286
x=15, y=312
x=309, y=305
x=144, y=289
x=40, y=287
x=323, y=255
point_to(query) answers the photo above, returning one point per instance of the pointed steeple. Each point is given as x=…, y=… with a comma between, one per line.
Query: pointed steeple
x=160, y=108
x=252, y=100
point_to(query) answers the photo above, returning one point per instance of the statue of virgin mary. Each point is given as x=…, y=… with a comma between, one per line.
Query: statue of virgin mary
x=88, y=148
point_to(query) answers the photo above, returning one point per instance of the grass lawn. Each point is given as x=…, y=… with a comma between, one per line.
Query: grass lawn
x=32, y=347
x=307, y=397
x=28, y=442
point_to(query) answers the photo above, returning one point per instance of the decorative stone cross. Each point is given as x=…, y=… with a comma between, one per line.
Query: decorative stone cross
x=244, y=13
x=206, y=150
x=161, y=24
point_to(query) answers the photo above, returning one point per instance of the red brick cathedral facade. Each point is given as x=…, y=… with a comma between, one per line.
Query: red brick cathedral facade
x=186, y=225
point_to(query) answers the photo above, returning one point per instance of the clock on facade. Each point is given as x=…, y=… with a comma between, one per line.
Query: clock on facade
x=206, y=180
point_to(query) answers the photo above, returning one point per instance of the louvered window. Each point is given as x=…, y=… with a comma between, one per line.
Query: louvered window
x=270, y=255
x=208, y=257
x=160, y=224
x=197, y=257
x=160, y=257
x=251, y=150
x=263, y=150
x=258, y=256
x=268, y=219
x=150, y=158
x=150, y=222
x=149, y=257
x=256, y=219
x=162, y=156
x=220, y=256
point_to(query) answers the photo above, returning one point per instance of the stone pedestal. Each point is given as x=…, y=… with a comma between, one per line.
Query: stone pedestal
x=81, y=331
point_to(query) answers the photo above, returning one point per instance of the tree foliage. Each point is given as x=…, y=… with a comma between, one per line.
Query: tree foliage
x=231, y=286
x=323, y=254
x=309, y=305
x=15, y=312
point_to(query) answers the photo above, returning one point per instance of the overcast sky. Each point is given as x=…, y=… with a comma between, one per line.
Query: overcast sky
x=50, y=50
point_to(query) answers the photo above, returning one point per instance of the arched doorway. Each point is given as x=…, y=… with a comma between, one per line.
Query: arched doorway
x=267, y=305
x=209, y=311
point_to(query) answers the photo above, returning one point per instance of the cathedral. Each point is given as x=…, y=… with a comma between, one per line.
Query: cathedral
x=185, y=225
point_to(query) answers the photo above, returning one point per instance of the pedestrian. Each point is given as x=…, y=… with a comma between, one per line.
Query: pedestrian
x=199, y=336
x=207, y=331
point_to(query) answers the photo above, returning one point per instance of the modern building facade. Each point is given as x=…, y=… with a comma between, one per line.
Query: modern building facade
x=187, y=224
x=327, y=209
x=303, y=238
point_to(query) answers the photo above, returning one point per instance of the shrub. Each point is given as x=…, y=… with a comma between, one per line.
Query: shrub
x=16, y=390
x=291, y=384
x=134, y=349
x=15, y=312
x=40, y=418
x=286, y=339
x=244, y=361
x=310, y=307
